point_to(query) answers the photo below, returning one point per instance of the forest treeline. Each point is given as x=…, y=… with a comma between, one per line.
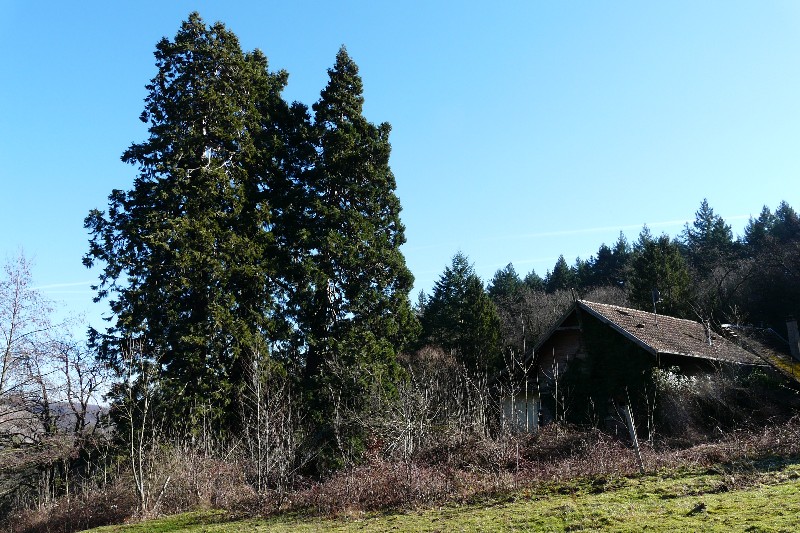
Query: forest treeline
x=260, y=315
x=703, y=274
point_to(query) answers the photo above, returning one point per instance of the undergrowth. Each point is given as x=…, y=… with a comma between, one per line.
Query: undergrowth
x=559, y=460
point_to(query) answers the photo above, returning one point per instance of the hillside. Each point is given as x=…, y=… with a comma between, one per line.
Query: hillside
x=763, y=496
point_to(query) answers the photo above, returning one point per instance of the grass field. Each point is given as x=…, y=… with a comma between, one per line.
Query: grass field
x=765, y=497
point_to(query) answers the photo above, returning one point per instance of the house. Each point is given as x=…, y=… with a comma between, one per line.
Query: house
x=598, y=357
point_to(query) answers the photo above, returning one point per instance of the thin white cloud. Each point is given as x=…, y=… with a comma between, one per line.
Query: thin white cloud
x=596, y=229
x=603, y=229
x=62, y=285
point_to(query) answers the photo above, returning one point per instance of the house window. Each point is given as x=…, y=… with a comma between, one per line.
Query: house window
x=522, y=412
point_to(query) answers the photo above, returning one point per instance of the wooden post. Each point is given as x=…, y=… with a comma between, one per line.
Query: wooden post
x=628, y=414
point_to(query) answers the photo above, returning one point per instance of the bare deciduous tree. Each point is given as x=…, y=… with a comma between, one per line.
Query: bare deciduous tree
x=271, y=425
x=48, y=386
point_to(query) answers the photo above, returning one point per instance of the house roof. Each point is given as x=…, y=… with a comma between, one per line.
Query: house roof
x=660, y=334
x=765, y=341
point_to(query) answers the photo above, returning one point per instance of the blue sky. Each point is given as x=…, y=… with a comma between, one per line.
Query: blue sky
x=520, y=131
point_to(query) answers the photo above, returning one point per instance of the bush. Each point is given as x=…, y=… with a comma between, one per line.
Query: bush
x=695, y=408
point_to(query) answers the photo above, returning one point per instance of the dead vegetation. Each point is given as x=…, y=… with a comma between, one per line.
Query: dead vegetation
x=557, y=458
x=441, y=438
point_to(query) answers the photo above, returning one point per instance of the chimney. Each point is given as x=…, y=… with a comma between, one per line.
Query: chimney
x=794, y=337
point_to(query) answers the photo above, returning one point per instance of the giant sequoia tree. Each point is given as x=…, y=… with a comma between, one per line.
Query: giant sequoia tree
x=355, y=314
x=252, y=231
x=186, y=250
x=188, y=268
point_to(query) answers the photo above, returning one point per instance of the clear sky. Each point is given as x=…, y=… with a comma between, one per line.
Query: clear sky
x=521, y=130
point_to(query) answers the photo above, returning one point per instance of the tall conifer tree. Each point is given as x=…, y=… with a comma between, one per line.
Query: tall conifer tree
x=657, y=264
x=461, y=318
x=709, y=240
x=186, y=250
x=356, y=315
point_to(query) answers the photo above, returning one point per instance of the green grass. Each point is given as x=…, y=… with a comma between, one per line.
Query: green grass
x=765, y=499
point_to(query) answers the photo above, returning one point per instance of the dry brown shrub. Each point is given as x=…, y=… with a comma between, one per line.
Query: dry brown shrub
x=473, y=468
x=198, y=481
x=112, y=504
x=558, y=454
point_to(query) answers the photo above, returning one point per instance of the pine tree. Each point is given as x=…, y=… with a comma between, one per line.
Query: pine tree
x=709, y=241
x=505, y=285
x=657, y=264
x=787, y=224
x=772, y=243
x=186, y=254
x=758, y=232
x=561, y=278
x=533, y=281
x=610, y=265
x=461, y=318
x=582, y=273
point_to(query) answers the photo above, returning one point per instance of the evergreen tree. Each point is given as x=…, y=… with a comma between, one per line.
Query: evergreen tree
x=533, y=281
x=582, y=273
x=505, y=285
x=509, y=292
x=610, y=265
x=770, y=229
x=561, y=278
x=657, y=264
x=354, y=312
x=461, y=318
x=758, y=231
x=186, y=253
x=772, y=242
x=787, y=224
x=709, y=241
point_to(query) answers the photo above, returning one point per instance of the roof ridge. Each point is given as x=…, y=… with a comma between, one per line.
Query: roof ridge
x=672, y=335
x=642, y=311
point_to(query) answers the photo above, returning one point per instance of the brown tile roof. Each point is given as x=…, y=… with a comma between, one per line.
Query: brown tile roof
x=660, y=334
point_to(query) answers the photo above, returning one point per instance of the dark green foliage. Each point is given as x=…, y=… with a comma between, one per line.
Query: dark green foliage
x=561, y=278
x=713, y=258
x=533, y=281
x=657, y=264
x=187, y=262
x=610, y=265
x=525, y=310
x=356, y=269
x=511, y=295
x=583, y=273
x=787, y=224
x=772, y=244
x=252, y=232
x=354, y=315
x=461, y=318
x=709, y=241
x=758, y=232
x=506, y=285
